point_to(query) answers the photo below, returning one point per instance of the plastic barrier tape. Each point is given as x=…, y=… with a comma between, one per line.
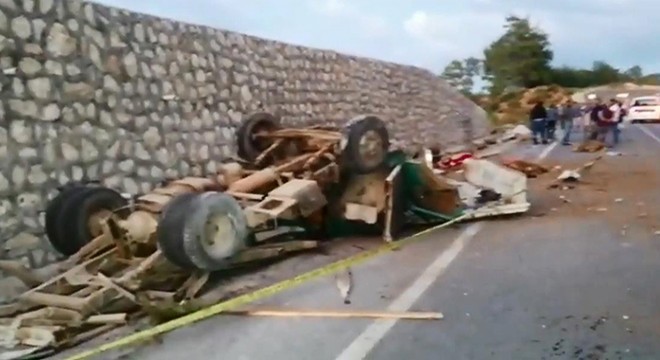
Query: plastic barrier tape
x=268, y=291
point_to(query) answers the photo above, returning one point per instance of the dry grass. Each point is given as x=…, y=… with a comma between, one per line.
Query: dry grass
x=513, y=107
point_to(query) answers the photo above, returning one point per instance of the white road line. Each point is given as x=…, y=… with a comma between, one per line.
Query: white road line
x=366, y=341
x=649, y=133
x=374, y=333
x=547, y=151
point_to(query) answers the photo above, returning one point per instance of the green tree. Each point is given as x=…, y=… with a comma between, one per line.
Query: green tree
x=634, y=73
x=604, y=73
x=461, y=73
x=472, y=67
x=570, y=77
x=519, y=58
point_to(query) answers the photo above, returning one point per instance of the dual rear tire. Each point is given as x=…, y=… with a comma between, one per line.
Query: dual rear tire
x=364, y=144
x=196, y=230
x=68, y=214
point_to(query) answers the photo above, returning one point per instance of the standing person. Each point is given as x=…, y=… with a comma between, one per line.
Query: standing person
x=567, y=115
x=619, y=113
x=601, y=116
x=551, y=121
x=583, y=121
x=537, y=118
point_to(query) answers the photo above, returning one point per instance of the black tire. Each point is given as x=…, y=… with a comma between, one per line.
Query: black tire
x=72, y=222
x=248, y=148
x=53, y=210
x=168, y=233
x=209, y=207
x=353, y=134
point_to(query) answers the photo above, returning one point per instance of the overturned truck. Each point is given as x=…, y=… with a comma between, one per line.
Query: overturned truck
x=315, y=182
x=291, y=189
x=203, y=223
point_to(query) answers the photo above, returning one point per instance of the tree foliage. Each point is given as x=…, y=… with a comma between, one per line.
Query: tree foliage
x=461, y=74
x=634, y=73
x=522, y=57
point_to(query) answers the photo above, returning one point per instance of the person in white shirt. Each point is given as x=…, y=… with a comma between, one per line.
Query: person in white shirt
x=615, y=108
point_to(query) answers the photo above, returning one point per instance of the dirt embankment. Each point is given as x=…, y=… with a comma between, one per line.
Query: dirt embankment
x=513, y=107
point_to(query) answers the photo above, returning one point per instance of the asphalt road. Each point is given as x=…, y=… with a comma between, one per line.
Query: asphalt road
x=552, y=284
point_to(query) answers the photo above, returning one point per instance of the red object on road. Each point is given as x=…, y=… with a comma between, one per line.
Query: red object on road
x=454, y=161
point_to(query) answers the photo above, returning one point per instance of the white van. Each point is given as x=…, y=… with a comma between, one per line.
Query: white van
x=644, y=109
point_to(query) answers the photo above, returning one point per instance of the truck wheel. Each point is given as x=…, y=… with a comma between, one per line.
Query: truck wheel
x=248, y=146
x=73, y=222
x=364, y=144
x=54, y=208
x=215, y=231
x=203, y=232
x=168, y=232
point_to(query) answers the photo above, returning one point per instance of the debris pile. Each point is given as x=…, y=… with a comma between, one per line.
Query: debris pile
x=530, y=169
x=568, y=178
x=590, y=146
x=151, y=254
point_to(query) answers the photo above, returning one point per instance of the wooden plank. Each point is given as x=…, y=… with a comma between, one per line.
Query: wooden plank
x=246, y=196
x=48, y=316
x=118, y=318
x=86, y=336
x=270, y=251
x=13, y=308
x=76, y=268
x=320, y=134
x=197, y=183
x=97, y=244
x=105, y=281
x=172, y=190
x=54, y=300
x=155, y=198
x=409, y=315
x=317, y=156
x=18, y=270
x=264, y=154
x=295, y=164
x=199, y=280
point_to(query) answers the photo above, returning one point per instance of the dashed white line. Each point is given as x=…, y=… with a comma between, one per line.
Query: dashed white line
x=376, y=331
x=544, y=154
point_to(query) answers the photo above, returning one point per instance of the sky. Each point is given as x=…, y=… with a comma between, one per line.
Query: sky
x=431, y=33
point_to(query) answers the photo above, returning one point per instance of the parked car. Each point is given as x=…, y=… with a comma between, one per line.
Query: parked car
x=644, y=109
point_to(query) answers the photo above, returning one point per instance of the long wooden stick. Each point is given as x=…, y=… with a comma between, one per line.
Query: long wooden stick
x=17, y=269
x=260, y=159
x=338, y=314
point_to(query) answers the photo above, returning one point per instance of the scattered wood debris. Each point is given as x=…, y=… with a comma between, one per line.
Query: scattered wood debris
x=590, y=146
x=530, y=169
x=573, y=176
x=404, y=315
x=133, y=261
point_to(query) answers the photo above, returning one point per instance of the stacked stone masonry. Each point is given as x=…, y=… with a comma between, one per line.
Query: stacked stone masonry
x=88, y=91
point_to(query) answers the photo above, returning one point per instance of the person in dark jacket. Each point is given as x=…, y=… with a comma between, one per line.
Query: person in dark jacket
x=601, y=116
x=537, y=119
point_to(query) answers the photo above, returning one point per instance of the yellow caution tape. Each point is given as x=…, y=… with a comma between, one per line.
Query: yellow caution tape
x=268, y=291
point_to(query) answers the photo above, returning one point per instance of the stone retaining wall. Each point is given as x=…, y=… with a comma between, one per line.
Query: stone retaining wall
x=88, y=91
